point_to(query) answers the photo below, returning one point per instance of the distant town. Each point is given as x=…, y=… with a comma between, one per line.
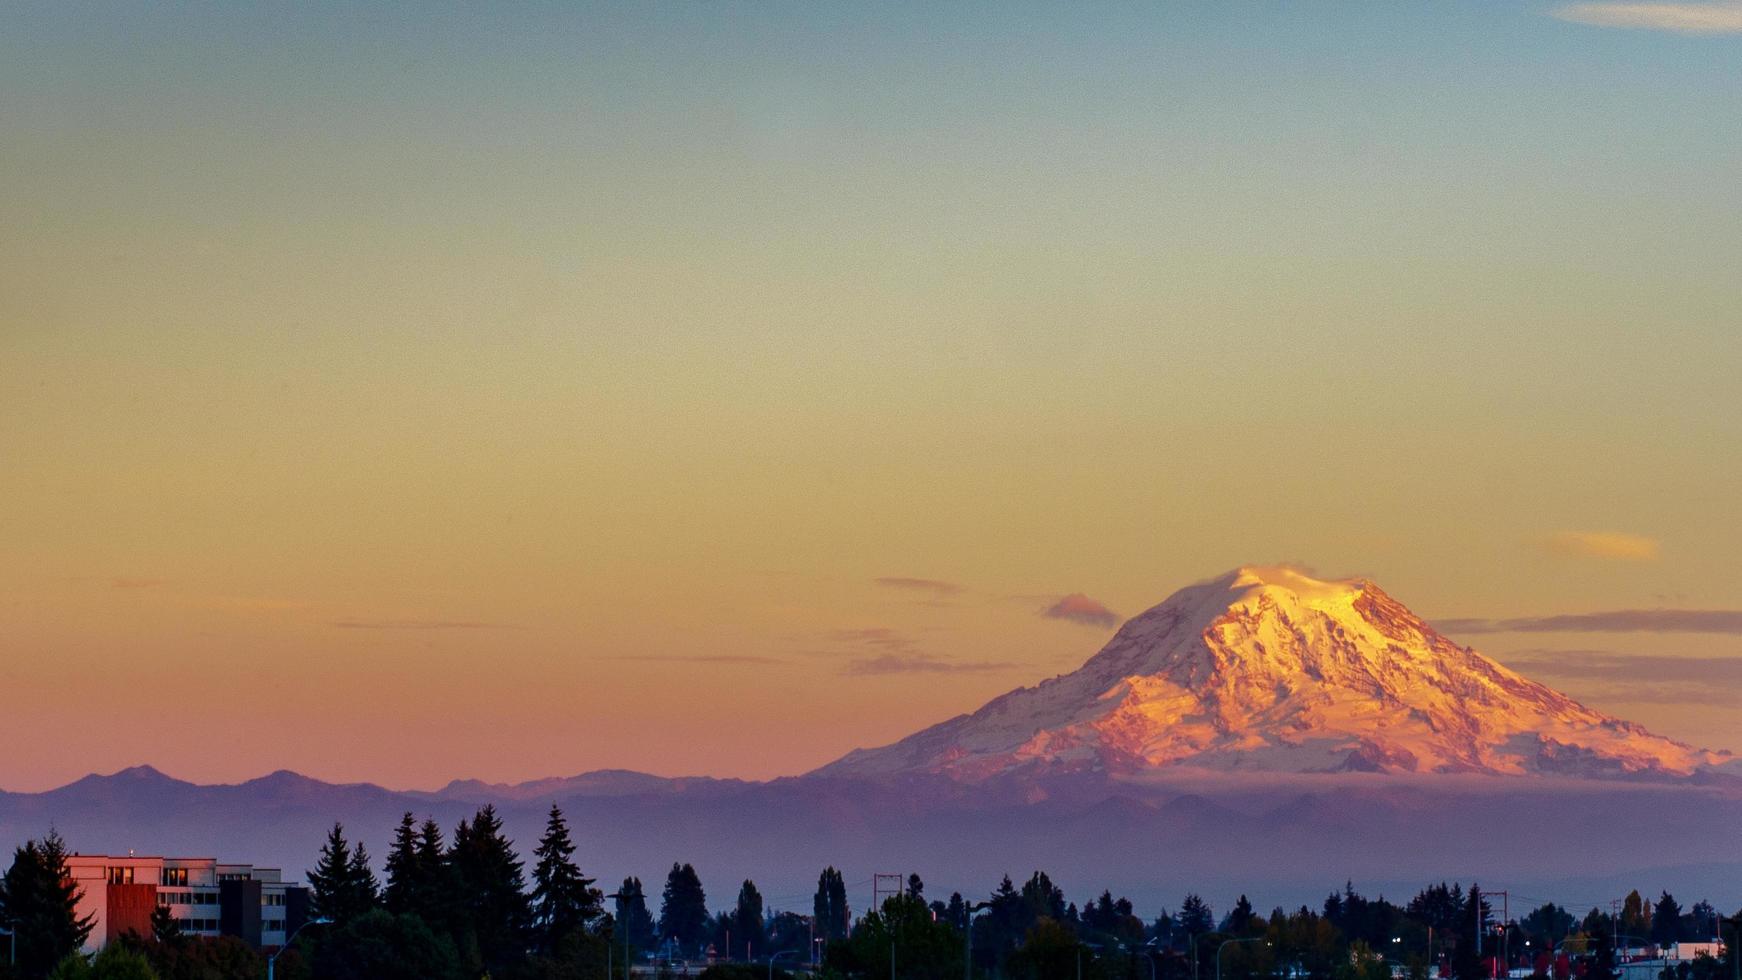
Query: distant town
x=469, y=904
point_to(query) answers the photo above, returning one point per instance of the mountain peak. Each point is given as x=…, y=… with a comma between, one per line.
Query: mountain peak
x=1270, y=668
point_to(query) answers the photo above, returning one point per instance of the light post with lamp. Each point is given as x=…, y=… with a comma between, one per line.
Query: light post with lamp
x=623, y=907
x=968, y=938
x=776, y=956
x=12, y=958
x=272, y=961
x=1230, y=942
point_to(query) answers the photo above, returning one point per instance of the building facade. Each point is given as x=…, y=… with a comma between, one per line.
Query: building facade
x=205, y=898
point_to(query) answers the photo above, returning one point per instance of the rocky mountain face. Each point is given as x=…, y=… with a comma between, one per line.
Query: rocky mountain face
x=1268, y=669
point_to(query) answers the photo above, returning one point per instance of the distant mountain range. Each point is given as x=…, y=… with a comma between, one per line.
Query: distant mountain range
x=1264, y=731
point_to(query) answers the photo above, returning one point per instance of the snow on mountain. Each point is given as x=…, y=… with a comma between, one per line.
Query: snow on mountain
x=1268, y=669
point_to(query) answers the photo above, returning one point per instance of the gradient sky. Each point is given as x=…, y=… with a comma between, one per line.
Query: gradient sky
x=505, y=391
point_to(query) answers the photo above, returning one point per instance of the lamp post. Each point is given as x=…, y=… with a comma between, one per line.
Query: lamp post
x=13, y=957
x=622, y=906
x=1149, y=957
x=272, y=961
x=1734, y=948
x=968, y=938
x=1229, y=942
x=776, y=956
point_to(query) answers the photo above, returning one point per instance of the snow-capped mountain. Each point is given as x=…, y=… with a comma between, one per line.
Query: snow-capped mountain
x=1269, y=669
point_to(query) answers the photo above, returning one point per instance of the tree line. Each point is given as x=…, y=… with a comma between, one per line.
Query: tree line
x=463, y=906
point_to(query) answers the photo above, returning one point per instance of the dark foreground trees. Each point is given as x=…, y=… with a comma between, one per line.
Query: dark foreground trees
x=39, y=902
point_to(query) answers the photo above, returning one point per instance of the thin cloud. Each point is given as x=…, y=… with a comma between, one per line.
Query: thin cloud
x=1617, y=621
x=1679, y=18
x=1079, y=608
x=875, y=636
x=1602, y=545
x=1615, y=666
x=724, y=659
x=136, y=583
x=919, y=663
x=933, y=587
x=419, y=624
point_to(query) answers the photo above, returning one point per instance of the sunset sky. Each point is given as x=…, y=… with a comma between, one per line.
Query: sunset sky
x=400, y=394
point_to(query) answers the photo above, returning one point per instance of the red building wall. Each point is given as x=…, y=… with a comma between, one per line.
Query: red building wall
x=130, y=909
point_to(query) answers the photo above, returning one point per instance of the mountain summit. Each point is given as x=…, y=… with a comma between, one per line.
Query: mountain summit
x=1269, y=669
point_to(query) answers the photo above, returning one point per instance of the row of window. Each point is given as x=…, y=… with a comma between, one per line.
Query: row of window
x=175, y=876
x=276, y=898
x=200, y=925
x=187, y=898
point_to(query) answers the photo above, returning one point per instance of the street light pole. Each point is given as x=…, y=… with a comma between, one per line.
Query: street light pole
x=968, y=938
x=623, y=906
x=13, y=934
x=272, y=961
x=1229, y=942
x=776, y=956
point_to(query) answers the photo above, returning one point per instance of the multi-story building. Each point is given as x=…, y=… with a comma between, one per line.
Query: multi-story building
x=205, y=897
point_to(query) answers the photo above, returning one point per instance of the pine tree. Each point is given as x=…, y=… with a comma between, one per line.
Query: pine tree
x=1240, y=918
x=434, y=895
x=492, y=889
x=365, y=891
x=1666, y=921
x=165, y=930
x=341, y=885
x=562, y=900
x=632, y=914
x=39, y=901
x=747, y=919
x=403, y=884
x=683, y=908
x=830, y=905
x=1195, y=917
x=916, y=887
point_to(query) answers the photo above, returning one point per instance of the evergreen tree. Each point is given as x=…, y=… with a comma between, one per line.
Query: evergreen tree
x=403, y=884
x=916, y=887
x=830, y=905
x=341, y=885
x=365, y=888
x=165, y=930
x=39, y=902
x=1239, y=919
x=1195, y=917
x=747, y=919
x=492, y=892
x=1666, y=921
x=379, y=946
x=632, y=914
x=434, y=888
x=1635, y=917
x=683, y=909
x=562, y=900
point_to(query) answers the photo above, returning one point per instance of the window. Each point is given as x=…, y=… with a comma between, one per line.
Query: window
x=175, y=876
x=120, y=876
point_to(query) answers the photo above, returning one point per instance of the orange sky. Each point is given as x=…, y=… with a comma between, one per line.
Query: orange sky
x=401, y=400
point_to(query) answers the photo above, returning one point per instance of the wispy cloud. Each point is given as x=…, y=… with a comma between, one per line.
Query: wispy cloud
x=1612, y=665
x=1617, y=621
x=1679, y=18
x=1626, y=678
x=875, y=636
x=419, y=624
x=1603, y=545
x=1079, y=608
x=722, y=659
x=919, y=663
x=135, y=583
x=935, y=588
